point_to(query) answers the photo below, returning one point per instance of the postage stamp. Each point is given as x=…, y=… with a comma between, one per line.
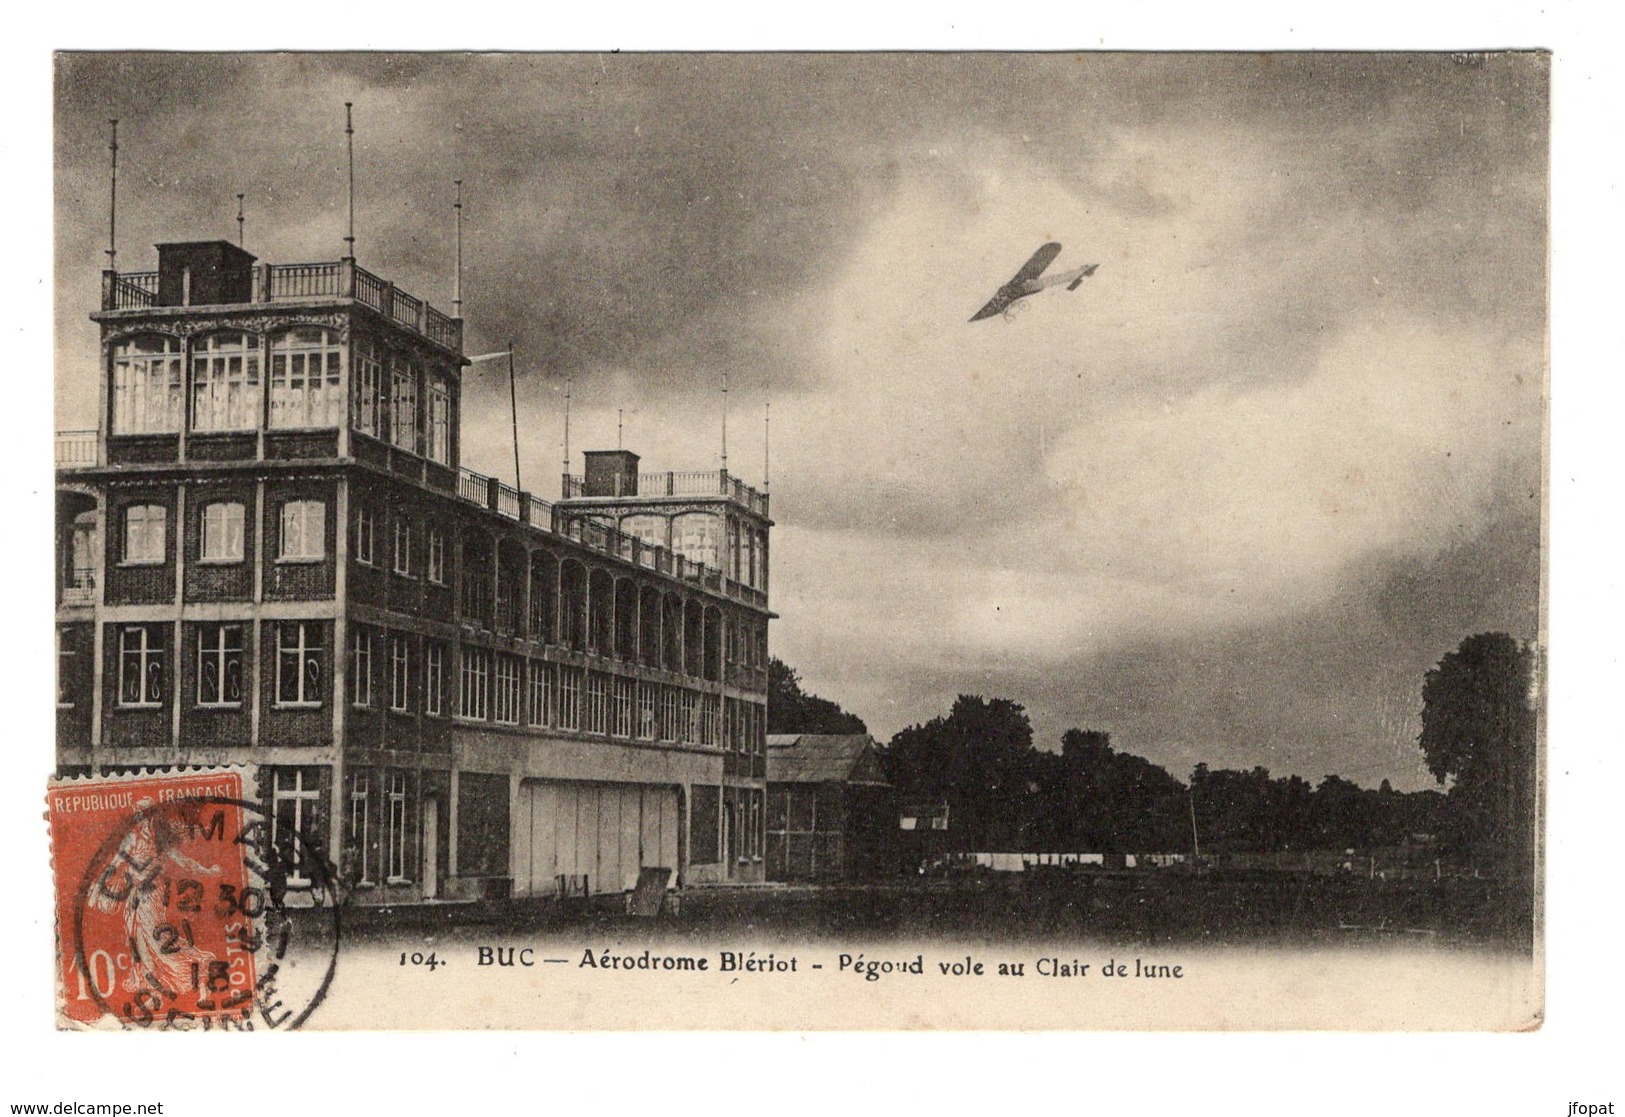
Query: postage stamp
x=172, y=906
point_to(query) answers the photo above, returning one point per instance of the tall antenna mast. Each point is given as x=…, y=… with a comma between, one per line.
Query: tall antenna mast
x=457, y=297
x=724, y=420
x=513, y=405
x=767, y=444
x=349, y=144
x=112, y=206
x=239, y=221
x=567, y=381
x=620, y=417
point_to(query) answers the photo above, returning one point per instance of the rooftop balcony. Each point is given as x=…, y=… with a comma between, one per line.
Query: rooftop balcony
x=521, y=507
x=75, y=449
x=284, y=283
x=693, y=483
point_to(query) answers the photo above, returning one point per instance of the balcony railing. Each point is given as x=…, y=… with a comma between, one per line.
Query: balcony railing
x=274, y=283
x=506, y=501
x=75, y=449
x=706, y=482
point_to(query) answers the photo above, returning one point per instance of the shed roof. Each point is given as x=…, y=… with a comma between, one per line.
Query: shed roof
x=823, y=758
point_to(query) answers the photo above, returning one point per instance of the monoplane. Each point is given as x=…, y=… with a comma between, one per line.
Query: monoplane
x=1031, y=279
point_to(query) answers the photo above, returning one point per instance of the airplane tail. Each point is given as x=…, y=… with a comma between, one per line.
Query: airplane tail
x=1083, y=275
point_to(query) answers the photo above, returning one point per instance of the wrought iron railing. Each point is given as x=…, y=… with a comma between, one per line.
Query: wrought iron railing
x=701, y=482
x=290, y=282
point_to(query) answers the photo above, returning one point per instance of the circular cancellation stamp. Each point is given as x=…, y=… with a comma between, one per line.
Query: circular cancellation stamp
x=181, y=905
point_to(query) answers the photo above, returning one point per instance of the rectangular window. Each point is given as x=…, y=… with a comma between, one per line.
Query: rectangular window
x=474, y=685
x=569, y=697
x=223, y=532
x=361, y=666
x=368, y=382
x=435, y=564
x=300, y=670
x=395, y=829
x=400, y=673
x=141, y=665
x=226, y=382
x=403, y=546
x=507, y=690
x=434, y=677
x=625, y=695
x=597, y=714
x=648, y=700
x=220, y=665
x=304, y=531
x=144, y=531
x=403, y=417
x=147, y=386
x=541, y=692
x=365, y=530
x=360, y=827
x=295, y=806
x=671, y=713
x=65, y=650
x=439, y=420
x=305, y=376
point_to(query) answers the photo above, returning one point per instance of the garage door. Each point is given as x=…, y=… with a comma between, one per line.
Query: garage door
x=602, y=832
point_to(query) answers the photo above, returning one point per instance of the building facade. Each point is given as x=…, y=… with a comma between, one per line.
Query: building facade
x=831, y=814
x=269, y=553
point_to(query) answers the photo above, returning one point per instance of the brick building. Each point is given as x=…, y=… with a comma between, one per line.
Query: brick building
x=269, y=553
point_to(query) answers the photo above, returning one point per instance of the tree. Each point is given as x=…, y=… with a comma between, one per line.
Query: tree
x=792, y=710
x=1478, y=731
x=980, y=758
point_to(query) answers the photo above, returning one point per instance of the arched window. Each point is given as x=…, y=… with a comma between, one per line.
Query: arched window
x=223, y=532
x=226, y=382
x=648, y=528
x=306, y=371
x=144, y=526
x=147, y=385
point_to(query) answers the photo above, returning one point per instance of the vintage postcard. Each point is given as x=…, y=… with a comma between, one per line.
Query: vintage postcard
x=800, y=541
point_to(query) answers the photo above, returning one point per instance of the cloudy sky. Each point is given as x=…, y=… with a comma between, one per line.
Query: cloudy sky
x=1227, y=501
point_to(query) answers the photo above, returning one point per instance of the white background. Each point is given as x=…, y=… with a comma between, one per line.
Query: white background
x=1573, y=1058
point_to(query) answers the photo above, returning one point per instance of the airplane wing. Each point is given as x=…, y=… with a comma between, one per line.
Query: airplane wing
x=1041, y=259
x=996, y=304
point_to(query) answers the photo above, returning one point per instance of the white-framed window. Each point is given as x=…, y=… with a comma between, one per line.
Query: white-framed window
x=569, y=697
x=541, y=692
x=597, y=702
x=434, y=677
x=439, y=432
x=403, y=403
x=400, y=673
x=304, y=531
x=623, y=692
x=710, y=720
x=506, y=704
x=65, y=651
x=295, y=804
x=671, y=713
x=648, y=702
x=695, y=536
x=301, y=672
x=144, y=531
x=147, y=385
x=369, y=375
x=366, y=530
x=474, y=685
x=361, y=666
x=359, y=828
x=141, y=665
x=222, y=531
x=306, y=372
x=226, y=382
x=403, y=546
x=220, y=665
x=435, y=563
x=395, y=832
x=688, y=719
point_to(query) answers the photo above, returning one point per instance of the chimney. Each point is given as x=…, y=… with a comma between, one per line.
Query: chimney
x=611, y=473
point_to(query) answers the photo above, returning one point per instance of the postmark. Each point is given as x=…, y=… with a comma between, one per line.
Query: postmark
x=182, y=906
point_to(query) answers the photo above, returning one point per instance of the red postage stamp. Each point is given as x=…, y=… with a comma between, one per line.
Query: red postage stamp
x=171, y=911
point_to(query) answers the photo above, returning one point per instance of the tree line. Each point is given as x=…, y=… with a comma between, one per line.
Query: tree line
x=1004, y=793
